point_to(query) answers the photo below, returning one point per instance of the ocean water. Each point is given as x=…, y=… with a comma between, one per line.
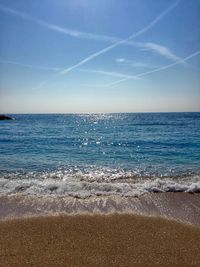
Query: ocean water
x=80, y=155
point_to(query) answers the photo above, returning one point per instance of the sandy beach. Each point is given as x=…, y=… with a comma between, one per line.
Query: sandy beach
x=98, y=240
x=151, y=230
x=99, y=133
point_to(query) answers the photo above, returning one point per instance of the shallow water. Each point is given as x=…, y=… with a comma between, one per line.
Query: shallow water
x=182, y=207
x=100, y=154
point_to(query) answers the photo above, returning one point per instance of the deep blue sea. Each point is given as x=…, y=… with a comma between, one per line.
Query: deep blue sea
x=100, y=154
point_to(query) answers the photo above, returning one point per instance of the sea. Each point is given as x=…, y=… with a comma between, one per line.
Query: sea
x=84, y=155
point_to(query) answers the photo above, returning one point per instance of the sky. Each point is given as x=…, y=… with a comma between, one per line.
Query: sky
x=84, y=56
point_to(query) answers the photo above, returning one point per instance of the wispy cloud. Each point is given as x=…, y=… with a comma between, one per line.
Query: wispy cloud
x=159, y=49
x=116, y=42
x=157, y=69
x=156, y=48
x=58, y=28
x=109, y=73
x=40, y=85
x=30, y=66
x=80, y=34
x=27, y=17
x=134, y=64
x=163, y=51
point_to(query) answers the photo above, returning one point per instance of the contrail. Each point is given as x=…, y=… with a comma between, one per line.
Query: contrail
x=118, y=43
x=161, y=50
x=76, y=33
x=156, y=70
x=114, y=74
x=42, y=23
x=30, y=66
x=142, y=31
x=102, y=51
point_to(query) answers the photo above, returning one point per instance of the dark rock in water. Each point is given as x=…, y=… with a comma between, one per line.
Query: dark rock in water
x=4, y=117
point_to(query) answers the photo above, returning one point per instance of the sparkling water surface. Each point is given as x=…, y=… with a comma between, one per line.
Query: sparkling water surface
x=88, y=154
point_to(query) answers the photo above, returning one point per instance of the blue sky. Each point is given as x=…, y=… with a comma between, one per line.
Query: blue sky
x=99, y=56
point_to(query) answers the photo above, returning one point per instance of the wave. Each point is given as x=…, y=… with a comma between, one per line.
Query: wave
x=99, y=182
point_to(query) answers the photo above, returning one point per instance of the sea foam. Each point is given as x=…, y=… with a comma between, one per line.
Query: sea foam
x=96, y=183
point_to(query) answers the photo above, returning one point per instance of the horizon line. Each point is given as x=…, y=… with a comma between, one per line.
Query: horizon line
x=86, y=113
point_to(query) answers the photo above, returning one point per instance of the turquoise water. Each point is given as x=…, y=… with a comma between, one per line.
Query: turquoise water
x=85, y=154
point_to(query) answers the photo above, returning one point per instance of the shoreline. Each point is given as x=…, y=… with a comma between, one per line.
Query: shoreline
x=98, y=240
x=182, y=207
x=155, y=229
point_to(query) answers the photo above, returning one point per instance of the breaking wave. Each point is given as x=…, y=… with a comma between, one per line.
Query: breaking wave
x=96, y=182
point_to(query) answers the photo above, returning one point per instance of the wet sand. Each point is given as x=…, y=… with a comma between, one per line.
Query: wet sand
x=100, y=231
x=98, y=240
x=183, y=207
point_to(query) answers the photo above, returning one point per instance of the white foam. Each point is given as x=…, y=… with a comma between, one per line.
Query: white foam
x=88, y=185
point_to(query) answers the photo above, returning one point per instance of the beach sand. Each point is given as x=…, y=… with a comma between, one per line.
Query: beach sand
x=98, y=240
x=183, y=207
